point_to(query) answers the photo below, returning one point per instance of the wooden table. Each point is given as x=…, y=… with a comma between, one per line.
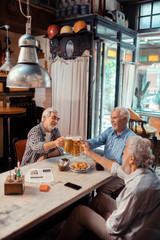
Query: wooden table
x=19, y=213
x=6, y=113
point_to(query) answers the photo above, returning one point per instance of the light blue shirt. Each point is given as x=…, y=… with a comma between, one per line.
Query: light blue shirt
x=114, y=145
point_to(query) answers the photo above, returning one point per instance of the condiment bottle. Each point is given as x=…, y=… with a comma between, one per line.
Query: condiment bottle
x=18, y=178
x=15, y=173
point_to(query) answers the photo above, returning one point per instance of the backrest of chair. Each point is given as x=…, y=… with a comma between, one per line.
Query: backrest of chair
x=136, y=123
x=134, y=115
x=155, y=122
x=19, y=148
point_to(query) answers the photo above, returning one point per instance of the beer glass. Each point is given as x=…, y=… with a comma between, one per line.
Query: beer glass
x=68, y=145
x=82, y=155
x=75, y=146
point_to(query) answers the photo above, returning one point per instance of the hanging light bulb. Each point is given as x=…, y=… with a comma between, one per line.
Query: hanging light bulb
x=28, y=73
x=7, y=66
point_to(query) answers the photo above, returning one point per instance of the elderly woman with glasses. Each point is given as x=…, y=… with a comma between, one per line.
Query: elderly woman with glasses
x=121, y=218
x=44, y=140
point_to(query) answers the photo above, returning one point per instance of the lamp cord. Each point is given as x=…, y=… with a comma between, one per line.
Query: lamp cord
x=20, y=7
x=28, y=24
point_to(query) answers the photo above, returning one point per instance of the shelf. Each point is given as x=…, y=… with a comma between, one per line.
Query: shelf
x=62, y=35
x=83, y=32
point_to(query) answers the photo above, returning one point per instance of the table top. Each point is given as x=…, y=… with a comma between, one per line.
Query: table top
x=18, y=213
x=12, y=112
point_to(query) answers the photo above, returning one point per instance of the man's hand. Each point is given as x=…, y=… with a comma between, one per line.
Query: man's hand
x=43, y=157
x=59, y=142
x=85, y=147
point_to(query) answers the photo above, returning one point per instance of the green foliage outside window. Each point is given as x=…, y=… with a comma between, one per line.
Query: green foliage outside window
x=156, y=99
x=110, y=84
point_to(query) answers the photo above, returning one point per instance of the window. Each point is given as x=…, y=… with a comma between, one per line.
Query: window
x=127, y=39
x=107, y=32
x=109, y=82
x=112, y=46
x=104, y=85
x=149, y=15
x=147, y=91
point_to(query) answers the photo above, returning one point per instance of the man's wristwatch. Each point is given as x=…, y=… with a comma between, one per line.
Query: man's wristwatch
x=46, y=155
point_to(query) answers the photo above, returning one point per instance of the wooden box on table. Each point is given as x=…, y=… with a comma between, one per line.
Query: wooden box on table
x=13, y=187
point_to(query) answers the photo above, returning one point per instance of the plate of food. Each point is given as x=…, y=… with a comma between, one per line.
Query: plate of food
x=80, y=167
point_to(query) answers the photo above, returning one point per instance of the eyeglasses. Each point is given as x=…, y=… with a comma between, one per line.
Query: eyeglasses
x=55, y=118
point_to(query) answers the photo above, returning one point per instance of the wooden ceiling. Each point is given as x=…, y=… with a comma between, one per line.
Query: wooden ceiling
x=11, y=15
x=41, y=17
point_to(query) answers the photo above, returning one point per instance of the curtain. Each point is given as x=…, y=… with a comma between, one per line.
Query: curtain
x=69, y=90
x=128, y=84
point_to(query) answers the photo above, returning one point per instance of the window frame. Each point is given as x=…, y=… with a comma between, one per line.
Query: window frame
x=149, y=15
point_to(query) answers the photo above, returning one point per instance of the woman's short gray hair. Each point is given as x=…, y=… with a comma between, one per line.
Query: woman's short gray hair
x=141, y=149
x=123, y=112
x=47, y=112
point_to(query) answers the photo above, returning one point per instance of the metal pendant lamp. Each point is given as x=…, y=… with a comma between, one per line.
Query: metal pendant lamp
x=7, y=66
x=28, y=73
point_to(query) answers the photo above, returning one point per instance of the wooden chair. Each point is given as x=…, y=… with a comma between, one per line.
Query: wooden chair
x=19, y=148
x=140, y=127
x=155, y=122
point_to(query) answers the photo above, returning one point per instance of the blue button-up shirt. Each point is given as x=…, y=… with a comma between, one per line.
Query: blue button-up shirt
x=114, y=145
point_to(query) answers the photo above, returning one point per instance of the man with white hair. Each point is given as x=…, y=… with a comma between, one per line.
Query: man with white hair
x=121, y=218
x=114, y=139
x=44, y=140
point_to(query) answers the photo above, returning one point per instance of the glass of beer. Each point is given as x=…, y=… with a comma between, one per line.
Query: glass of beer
x=75, y=146
x=83, y=156
x=68, y=145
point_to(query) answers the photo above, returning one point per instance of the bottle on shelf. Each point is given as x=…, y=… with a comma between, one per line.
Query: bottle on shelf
x=69, y=8
x=63, y=10
x=76, y=8
x=83, y=7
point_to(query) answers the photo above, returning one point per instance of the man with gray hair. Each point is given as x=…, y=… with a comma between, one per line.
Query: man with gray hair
x=44, y=140
x=114, y=141
x=123, y=217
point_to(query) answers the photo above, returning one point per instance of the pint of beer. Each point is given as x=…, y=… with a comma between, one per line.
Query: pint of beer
x=68, y=145
x=75, y=146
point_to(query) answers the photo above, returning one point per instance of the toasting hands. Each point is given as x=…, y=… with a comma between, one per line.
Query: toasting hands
x=85, y=147
x=59, y=142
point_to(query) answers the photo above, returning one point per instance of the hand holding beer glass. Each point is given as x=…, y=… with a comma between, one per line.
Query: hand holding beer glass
x=75, y=146
x=84, y=147
x=82, y=144
x=68, y=145
x=72, y=146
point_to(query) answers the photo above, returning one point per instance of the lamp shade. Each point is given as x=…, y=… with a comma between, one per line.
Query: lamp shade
x=7, y=66
x=28, y=73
